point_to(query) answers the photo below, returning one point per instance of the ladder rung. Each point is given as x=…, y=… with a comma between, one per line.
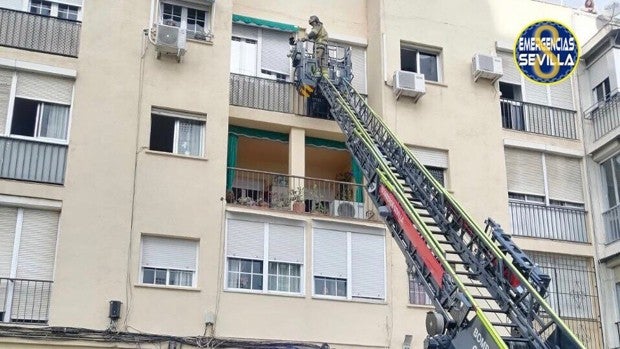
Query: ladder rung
x=490, y=310
x=466, y=273
x=489, y=298
x=516, y=339
x=473, y=284
x=503, y=324
x=456, y=262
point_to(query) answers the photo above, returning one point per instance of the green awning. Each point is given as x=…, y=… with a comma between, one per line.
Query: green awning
x=256, y=133
x=325, y=143
x=263, y=23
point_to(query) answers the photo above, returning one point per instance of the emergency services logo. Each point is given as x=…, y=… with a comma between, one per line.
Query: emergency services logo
x=546, y=52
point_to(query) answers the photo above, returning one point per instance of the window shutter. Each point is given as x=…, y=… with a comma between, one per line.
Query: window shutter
x=367, y=266
x=511, y=74
x=169, y=253
x=6, y=79
x=535, y=93
x=329, y=253
x=599, y=71
x=358, y=59
x=286, y=243
x=274, y=49
x=44, y=87
x=564, y=178
x=245, y=31
x=562, y=95
x=243, y=57
x=524, y=172
x=431, y=157
x=245, y=239
x=8, y=218
x=37, y=247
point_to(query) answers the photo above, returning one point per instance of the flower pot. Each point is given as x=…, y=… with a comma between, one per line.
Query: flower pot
x=299, y=207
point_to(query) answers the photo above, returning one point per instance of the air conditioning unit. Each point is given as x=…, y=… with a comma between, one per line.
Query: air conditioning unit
x=409, y=84
x=349, y=209
x=486, y=67
x=170, y=40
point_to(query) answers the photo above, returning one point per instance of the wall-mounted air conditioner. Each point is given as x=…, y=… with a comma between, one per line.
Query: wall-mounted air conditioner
x=409, y=84
x=170, y=40
x=349, y=209
x=486, y=67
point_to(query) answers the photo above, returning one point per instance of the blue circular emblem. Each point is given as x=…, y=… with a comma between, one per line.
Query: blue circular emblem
x=546, y=52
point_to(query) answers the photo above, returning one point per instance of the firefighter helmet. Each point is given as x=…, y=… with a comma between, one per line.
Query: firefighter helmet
x=313, y=19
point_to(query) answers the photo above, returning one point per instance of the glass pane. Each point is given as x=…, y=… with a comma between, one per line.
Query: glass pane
x=174, y=277
x=617, y=175
x=172, y=15
x=282, y=283
x=273, y=282
x=245, y=281
x=257, y=267
x=160, y=276
x=295, y=269
x=428, y=66
x=257, y=282
x=608, y=183
x=189, y=138
x=273, y=268
x=342, y=288
x=408, y=60
x=319, y=285
x=233, y=264
x=295, y=284
x=187, y=278
x=233, y=280
x=246, y=266
x=330, y=286
x=54, y=121
x=282, y=269
x=148, y=275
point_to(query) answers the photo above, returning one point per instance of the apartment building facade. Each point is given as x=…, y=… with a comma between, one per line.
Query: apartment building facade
x=206, y=195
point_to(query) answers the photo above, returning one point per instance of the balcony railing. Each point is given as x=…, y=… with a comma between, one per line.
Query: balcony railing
x=611, y=218
x=549, y=222
x=34, y=32
x=273, y=95
x=605, y=116
x=32, y=160
x=275, y=191
x=25, y=301
x=537, y=118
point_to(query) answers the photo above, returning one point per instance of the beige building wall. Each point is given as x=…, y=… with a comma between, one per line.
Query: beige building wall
x=117, y=190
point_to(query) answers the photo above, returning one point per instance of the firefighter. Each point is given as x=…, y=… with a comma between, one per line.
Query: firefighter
x=318, y=34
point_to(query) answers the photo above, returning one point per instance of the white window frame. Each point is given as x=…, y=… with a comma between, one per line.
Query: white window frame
x=208, y=9
x=54, y=9
x=434, y=51
x=413, y=281
x=349, y=276
x=272, y=75
x=175, y=137
x=142, y=266
x=265, y=262
x=615, y=185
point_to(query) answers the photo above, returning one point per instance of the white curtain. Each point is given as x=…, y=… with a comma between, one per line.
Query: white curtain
x=190, y=138
x=54, y=121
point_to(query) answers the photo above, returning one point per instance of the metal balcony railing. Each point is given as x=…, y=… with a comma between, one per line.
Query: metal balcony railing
x=40, y=33
x=549, y=222
x=537, y=118
x=611, y=218
x=32, y=160
x=274, y=95
x=24, y=300
x=275, y=191
x=605, y=116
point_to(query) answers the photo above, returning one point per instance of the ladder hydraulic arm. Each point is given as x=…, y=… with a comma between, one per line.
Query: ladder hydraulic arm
x=487, y=293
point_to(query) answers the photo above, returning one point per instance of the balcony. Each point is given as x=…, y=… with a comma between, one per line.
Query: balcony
x=548, y=222
x=537, y=118
x=39, y=33
x=611, y=218
x=304, y=195
x=273, y=95
x=24, y=301
x=605, y=116
x=32, y=160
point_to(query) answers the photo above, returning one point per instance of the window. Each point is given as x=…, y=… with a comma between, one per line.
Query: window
x=260, y=52
x=196, y=20
x=168, y=261
x=171, y=133
x=435, y=161
x=27, y=255
x=602, y=91
x=247, y=242
x=417, y=293
x=423, y=61
x=611, y=180
x=511, y=106
x=348, y=265
x=40, y=120
x=41, y=106
x=54, y=9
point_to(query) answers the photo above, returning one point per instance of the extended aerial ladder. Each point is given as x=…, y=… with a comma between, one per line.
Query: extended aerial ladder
x=486, y=292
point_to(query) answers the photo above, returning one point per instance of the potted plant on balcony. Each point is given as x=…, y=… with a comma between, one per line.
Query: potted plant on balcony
x=297, y=197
